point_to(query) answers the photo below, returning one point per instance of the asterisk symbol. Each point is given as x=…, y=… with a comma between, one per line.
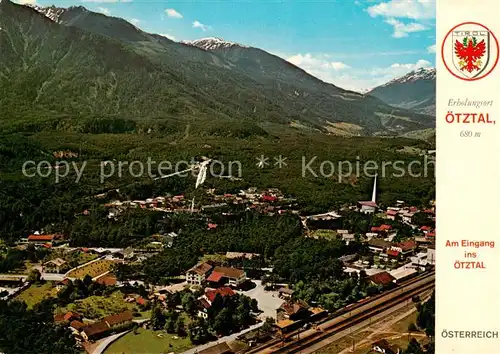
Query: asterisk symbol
x=263, y=161
x=280, y=161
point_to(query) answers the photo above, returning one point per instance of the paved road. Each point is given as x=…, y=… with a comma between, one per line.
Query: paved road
x=104, y=343
x=221, y=340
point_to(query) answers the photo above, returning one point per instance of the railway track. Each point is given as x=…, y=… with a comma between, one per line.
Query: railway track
x=305, y=342
x=349, y=316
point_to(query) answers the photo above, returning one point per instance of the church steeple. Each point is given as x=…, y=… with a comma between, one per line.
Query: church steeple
x=374, y=193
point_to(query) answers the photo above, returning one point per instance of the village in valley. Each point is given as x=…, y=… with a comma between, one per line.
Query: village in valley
x=209, y=177
x=226, y=302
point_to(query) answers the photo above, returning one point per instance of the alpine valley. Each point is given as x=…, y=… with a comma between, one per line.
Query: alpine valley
x=90, y=87
x=95, y=64
x=415, y=90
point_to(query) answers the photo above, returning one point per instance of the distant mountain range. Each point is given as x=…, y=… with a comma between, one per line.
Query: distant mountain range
x=213, y=43
x=415, y=90
x=77, y=63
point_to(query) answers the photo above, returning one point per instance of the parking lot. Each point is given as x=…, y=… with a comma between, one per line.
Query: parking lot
x=268, y=300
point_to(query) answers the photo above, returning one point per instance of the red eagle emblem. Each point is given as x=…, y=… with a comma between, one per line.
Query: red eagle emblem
x=470, y=52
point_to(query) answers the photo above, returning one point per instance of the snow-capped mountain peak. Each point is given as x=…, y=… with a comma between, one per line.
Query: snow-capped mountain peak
x=213, y=43
x=54, y=13
x=415, y=75
x=415, y=90
x=51, y=12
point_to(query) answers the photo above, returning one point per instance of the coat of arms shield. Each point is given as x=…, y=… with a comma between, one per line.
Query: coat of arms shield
x=471, y=52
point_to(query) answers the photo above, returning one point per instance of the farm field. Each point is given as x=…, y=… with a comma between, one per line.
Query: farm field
x=93, y=269
x=96, y=307
x=149, y=342
x=74, y=259
x=36, y=293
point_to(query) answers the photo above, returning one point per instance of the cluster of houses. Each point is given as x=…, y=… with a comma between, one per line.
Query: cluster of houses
x=269, y=201
x=175, y=203
x=413, y=257
x=85, y=331
x=415, y=252
x=333, y=221
x=392, y=250
x=216, y=280
x=406, y=215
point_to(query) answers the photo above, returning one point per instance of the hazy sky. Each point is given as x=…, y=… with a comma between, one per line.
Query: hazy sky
x=355, y=44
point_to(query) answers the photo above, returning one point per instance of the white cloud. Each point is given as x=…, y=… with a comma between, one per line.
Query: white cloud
x=402, y=29
x=318, y=63
x=169, y=36
x=320, y=66
x=198, y=24
x=338, y=65
x=431, y=49
x=135, y=21
x=347, y=77
x=399, y=69
x=172, y=13
x=104, y=10
x=26, y=2
x=419, y=64
x=394, y=11
x=412, y=9
x=379, y=76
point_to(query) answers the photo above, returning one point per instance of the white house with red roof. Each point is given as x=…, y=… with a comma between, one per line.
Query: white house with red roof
x=425, y=229
x=197, y=274
x=391, y=214
x=227, y=275
x=381, y=228
x=209, y=297
x=407, y=217
x=44, y=239
x=392, y=253
x=405, y=248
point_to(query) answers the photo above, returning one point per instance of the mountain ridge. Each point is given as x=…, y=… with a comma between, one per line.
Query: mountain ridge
x=416, y=90
x=414, y=75
x=228, y=81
